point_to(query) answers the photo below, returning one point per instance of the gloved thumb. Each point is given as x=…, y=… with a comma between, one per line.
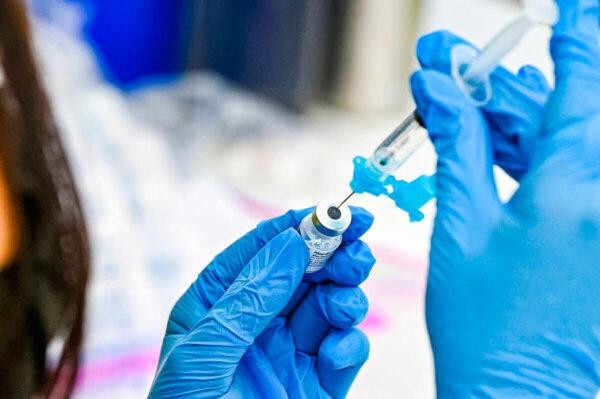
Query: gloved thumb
x=211, y=351
x=467, y=203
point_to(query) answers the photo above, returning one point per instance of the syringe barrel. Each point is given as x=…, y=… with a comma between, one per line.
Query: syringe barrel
x=399, y=145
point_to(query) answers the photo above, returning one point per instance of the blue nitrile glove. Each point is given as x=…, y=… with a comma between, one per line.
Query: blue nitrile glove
x=512, y=301
x=513, y=115
x=251, y=327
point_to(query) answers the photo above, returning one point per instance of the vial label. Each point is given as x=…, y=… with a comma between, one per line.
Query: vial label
x=317, y=260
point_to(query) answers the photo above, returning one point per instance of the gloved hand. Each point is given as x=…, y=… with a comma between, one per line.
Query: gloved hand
x=515, y=112
x=253, y=326
x=512, y=298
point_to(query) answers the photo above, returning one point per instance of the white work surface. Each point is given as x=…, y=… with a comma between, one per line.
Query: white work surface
x=173, y=174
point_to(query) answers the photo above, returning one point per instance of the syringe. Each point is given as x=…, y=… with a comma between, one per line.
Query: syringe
x=388, y=157
x=471, y=71
x=376, y=174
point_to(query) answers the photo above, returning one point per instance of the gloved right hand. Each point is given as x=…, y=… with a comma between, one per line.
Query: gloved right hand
x=515, y=112
x=512, y=296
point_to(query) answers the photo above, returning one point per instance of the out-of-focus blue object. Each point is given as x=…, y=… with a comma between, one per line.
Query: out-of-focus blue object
x=138, y=38
x=512, y=306
x=133, y=39
x=251, y=327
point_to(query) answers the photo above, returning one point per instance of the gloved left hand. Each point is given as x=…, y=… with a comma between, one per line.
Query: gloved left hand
x=253, y=326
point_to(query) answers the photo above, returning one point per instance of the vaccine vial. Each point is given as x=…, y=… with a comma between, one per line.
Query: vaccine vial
x=322, y=231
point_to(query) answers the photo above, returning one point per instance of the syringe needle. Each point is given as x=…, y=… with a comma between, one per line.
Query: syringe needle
x=346, y=200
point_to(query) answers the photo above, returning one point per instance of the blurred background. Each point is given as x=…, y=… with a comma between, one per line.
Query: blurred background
x=189, y=121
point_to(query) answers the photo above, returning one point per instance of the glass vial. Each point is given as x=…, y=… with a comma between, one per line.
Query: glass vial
x=322, y=231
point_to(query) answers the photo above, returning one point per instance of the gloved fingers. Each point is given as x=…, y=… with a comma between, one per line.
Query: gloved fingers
x=350, y=265
x=534, y=78
x=205, y=359
x=361, y=222
x=514, y=113
x=295, y=370
x=297, y=296
x=256, y=296
x=216, y=278
x=434, y=49
x=467, y=202
x=268, y=229
x=571, y=140
x=341, y=356
x=574, y=45
x=575, y=50
x=222, y=271
x=324, y=307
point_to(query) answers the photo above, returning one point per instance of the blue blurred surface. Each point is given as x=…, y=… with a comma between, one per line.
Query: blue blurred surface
x=273, y=47
x=133, y=39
